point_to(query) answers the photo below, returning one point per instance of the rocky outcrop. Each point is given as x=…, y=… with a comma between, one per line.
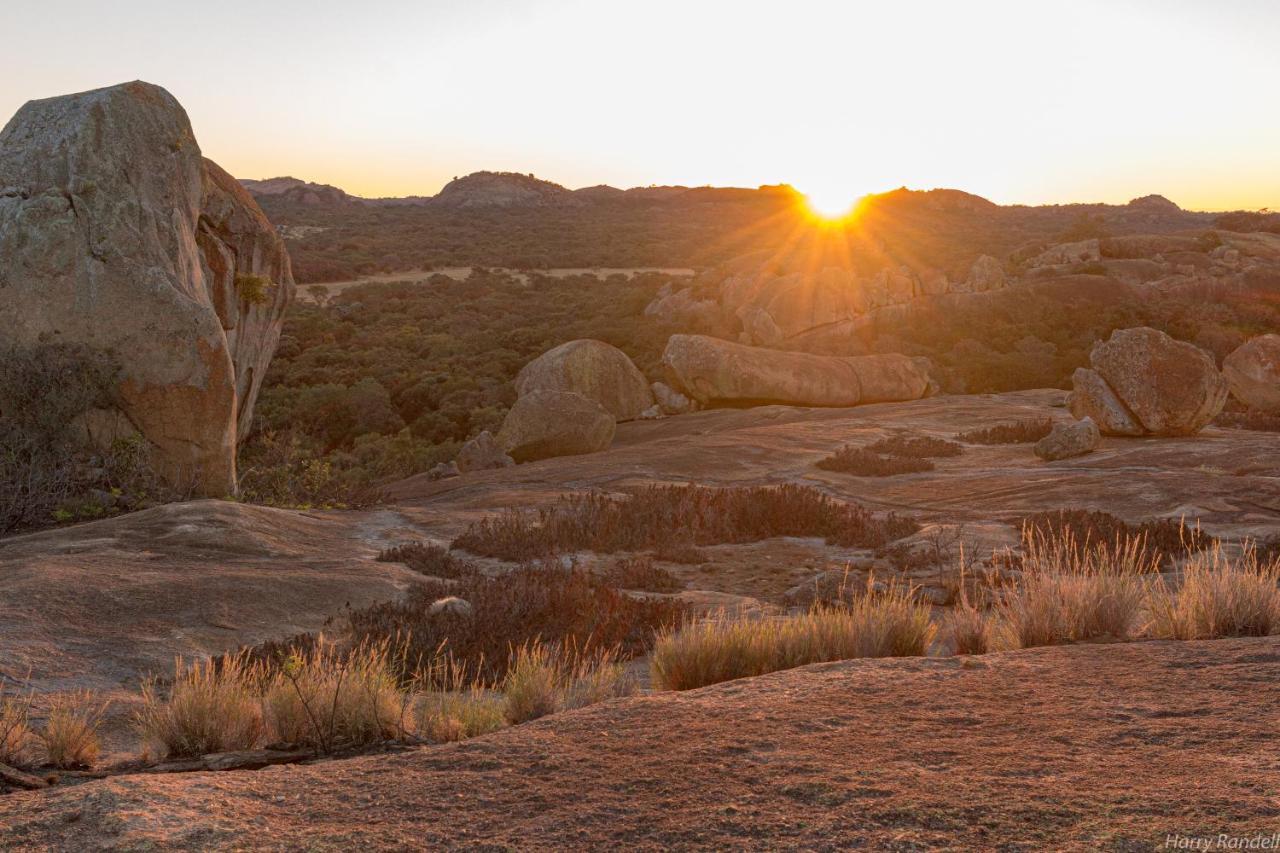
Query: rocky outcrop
x=482, y=453
x=713, y=371
x=1253, y=373
x=116, y=234
x=543, y=424
x=1142, y=376
x=1068, y=440
x=595, y=370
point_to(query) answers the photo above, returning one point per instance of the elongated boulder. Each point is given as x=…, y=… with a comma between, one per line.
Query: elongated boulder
x=116, y=234
x=544, y=424
x=1143, y=376
x=594, y=369
x=1253, y=373
x=713, y=371
x=1068, y=440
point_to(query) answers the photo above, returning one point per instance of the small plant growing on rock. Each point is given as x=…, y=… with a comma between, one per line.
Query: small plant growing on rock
x=864, y=462
x=428, y=559
x=211, y=706
x=70, y=735
x=15, y=728
x=253, y=289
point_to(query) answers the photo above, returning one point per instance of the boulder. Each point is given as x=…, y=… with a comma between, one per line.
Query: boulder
x=714, y=371
x=482, y=453
x=543, y=424
x=1093, y=398
x=116, y=234
x=1253, y=373
x=1171, y=387
x=1066, y=440
x=595, y=370
x=986, y=274
x=444, y=471
x=451, y=606
x=1068, y=253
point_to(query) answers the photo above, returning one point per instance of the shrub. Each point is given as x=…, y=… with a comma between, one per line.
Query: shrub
x=862, y=462
x=70, y=735
x=211, y=706
x=658, y=514
x=1158, y=540
x=253, y=289
x=924, y=447
x=556, y=605
x=1026, y=431
x=15, y=728
x=43, y=390
x=428, y=559
x=724, y=647
x=329, y=699
x=1218, y=597
x=642, y=573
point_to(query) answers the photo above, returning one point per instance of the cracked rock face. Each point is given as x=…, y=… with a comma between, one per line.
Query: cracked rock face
x=1143, y=382
x=117, y=234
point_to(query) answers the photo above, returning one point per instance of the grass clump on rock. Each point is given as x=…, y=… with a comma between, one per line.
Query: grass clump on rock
x=1025, y=431
x=889, y=623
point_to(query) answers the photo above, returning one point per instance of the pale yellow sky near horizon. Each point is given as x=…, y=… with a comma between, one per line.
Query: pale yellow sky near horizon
x=1020, y=102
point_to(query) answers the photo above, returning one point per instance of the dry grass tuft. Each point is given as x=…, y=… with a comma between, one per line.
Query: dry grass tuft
x=723, y=647
x=542, y=680
x=70, y=735
x=329, y=699
x=15, y=728
x=640, y=572
x=1070, y=592
x=212, y=706
x=1161, y=540
x=1218, y=597
x=454, y=705
x=428, y=559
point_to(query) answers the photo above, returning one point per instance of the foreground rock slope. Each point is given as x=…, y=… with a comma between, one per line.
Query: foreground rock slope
x=1110, y=747
x=116, y=234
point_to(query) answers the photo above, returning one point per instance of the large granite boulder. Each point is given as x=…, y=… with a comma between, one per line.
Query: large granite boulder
x=543, y=424
x=1253, y=373
x=116, y=234
x=713, y=371
x=1142, y=377
x=593, y=369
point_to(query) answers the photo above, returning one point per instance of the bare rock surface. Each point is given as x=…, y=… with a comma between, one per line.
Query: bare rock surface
x=117, y=234
x=545, y=424
x=1067, y=748
x=1253, y=373
x=1167, y=386
x=594, y=369
x=714, y=371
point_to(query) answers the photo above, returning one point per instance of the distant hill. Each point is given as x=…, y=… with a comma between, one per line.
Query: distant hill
x=502, y=189
x=296, y=191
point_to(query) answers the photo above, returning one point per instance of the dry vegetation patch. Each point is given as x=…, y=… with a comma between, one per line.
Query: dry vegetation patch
x=658, y=514
x=888, y=623
x=1027, y=431
x=1161, y=539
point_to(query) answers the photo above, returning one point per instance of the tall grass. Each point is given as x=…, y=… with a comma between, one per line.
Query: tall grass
x=1070, y=591
x=1217, y=596
x=70, y=734
x=211, y=706
x=543, y=679
x=725, y=647
x=15, y=727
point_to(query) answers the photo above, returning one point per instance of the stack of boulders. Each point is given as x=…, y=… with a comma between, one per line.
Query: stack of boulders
x=570, y=400
x=1143, y=382
x=117, y=235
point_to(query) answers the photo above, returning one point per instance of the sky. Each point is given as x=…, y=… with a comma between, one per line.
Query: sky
x=1021, y=102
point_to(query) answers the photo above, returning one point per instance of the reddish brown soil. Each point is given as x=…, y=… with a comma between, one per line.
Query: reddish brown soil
x=1091, y=747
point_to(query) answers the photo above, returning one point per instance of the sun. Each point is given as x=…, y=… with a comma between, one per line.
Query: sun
x=831, y=204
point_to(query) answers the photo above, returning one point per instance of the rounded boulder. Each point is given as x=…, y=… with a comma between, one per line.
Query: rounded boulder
x=594, y=369
x=545, y=424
